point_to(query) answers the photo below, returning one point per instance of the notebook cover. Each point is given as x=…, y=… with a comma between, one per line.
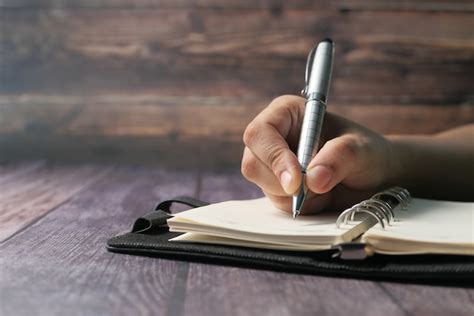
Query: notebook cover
x=150, y=235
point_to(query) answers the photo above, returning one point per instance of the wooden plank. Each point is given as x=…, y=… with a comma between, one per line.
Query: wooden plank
x=59, y=265
x=190, y=118
x=170, y=75
x=32, y=193
x=215, y=290
x=132, y=150
x=430, y=6
x=274, y=5
x=418, y=300
x=425, y=59
x=233, y=291
x=226, y=185
x=122, y=115
x=183, y=118
x=172, y=130
x=13, y=170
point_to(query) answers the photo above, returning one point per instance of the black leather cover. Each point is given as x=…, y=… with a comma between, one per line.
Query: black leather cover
x=150, y=235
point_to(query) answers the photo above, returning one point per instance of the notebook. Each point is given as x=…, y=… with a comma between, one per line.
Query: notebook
x=254, y=234
x=420, y=227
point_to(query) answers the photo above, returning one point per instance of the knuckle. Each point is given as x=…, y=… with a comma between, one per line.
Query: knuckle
x=291, y=102
x=286, y=98
x=249, y=167
x=280, y=99
x=275, y=158
x=251, y=133
x=345, y=148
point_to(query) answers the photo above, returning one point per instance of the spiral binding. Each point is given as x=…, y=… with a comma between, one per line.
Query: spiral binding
x=378, y=207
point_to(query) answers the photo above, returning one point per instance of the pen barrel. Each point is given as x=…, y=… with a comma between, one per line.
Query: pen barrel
x=320, y=72
x=310, y=132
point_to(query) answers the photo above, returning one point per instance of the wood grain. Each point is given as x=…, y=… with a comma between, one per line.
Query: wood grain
x=13, y=170
x=60, y=265
x=233, y=291
x=449, y=301
x=29, y=192
x=273, y=5
x=186, y=52
x=155, y=129
x=228, y=185
x=184, y=118
x=132, y=81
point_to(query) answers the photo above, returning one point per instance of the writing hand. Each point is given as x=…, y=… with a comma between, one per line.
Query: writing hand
x=352, y=163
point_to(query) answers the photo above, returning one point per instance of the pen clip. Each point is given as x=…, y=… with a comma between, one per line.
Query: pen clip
x=307, y=73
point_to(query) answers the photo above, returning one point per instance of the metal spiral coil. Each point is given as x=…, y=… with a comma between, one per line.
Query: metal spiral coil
x=378, y=207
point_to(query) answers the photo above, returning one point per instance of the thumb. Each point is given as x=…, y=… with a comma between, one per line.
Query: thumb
x=333, y=163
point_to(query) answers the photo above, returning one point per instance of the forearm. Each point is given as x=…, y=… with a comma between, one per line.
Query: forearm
x=435, y=166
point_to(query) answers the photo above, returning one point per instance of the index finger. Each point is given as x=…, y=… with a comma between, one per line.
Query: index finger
x=267, y=138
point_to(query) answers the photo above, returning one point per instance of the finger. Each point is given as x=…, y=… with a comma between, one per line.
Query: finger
x=265, y=137
x=313, y=204
x=257, y=172
x=285, y=114
x=344, y=197
x=280, y=202
x=333, y=163
x=269, y=147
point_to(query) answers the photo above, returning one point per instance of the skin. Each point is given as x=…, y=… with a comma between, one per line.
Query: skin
x=353, y=162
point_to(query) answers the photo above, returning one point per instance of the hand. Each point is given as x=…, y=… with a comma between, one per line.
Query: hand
x=352, y=164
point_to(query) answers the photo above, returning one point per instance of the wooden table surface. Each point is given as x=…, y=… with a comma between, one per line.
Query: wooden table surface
x=55, y=220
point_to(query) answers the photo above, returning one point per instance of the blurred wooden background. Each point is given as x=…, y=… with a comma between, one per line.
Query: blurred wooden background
x=177, y=81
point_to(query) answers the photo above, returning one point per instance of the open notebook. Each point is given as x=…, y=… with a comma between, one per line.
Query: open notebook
x=426, y=226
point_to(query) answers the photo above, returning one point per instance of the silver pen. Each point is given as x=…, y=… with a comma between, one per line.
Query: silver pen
x=317, y=80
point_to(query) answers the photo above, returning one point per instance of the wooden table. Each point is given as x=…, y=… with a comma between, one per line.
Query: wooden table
x=55, y=219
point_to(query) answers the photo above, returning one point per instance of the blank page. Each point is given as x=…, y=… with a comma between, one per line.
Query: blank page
x=259, y=220
x=442, y=223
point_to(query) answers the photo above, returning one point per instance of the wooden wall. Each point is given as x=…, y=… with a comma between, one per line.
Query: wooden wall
x=177, y=81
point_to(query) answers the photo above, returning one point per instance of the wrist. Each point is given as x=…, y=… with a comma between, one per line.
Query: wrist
x=400, y=161
x=412, y=161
